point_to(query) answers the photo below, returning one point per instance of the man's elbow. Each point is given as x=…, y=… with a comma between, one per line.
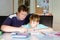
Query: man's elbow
x=3, y=28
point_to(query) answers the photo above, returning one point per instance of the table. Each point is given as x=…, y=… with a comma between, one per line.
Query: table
x=7, y=36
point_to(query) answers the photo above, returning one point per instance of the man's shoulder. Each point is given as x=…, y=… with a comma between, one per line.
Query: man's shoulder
x=11, y=16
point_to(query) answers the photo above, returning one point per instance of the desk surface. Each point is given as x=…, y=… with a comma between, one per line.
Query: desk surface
x=7, y=36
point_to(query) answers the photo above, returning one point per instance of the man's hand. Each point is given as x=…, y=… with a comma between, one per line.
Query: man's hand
x=22, y=30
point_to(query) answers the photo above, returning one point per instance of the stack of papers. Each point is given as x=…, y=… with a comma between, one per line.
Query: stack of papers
x=20, y=35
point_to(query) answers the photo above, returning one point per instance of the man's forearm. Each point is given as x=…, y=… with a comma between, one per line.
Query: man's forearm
x=6, y=28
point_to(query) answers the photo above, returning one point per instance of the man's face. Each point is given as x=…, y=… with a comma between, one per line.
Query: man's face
x=34, y=23
x=22, y=15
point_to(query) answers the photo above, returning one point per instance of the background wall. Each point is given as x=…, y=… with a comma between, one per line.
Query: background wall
x=15, y=5
x=32, y=6
x=54, y=8
x=6, y=7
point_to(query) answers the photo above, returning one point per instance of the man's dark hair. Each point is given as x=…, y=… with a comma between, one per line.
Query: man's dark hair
x=23, y=8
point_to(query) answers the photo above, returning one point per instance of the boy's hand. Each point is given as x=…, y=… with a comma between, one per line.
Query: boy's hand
x=33, y=30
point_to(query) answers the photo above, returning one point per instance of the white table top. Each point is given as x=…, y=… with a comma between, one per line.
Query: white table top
x=7, y=36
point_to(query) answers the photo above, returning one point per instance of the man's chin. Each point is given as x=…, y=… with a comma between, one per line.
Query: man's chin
x=22, y=19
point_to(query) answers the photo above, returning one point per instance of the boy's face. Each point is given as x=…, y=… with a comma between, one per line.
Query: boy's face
x=34, y=23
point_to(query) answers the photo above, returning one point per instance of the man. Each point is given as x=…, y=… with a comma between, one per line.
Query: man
x=14, y=22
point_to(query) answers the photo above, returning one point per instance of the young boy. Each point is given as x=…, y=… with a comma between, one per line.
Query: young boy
x=34, y=25
x=35, y=29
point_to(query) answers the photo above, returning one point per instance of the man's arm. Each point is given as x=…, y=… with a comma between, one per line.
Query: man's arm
x=7, y=28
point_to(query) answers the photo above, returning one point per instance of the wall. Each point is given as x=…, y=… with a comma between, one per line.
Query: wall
x=6, y=7
x=15, y=5
x=54, y=8
x=32, y=6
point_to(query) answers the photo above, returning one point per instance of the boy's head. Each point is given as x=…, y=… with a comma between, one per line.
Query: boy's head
x=34, y=20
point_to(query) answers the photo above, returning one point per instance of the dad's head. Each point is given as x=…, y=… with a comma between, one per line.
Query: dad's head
x=22, y=12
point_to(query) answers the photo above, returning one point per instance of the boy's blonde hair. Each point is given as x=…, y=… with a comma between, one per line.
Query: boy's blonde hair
x=35, y=17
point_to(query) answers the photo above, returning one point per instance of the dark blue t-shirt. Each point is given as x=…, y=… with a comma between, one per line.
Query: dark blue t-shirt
x=12, y=20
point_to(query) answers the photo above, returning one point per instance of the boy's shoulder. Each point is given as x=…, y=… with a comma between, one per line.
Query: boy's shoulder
x=41, y=26
x=26, y=26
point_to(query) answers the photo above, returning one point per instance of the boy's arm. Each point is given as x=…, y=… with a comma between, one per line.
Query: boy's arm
x=42, y=27
x=46, y=29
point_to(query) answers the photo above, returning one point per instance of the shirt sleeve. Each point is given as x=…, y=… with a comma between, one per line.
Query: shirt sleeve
x=42, y=26
x=8, y=21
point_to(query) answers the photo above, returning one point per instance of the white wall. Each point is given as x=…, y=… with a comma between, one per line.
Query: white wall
x=54, y=6
x=5, y=7
x=15, y=5
x=32, y=6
